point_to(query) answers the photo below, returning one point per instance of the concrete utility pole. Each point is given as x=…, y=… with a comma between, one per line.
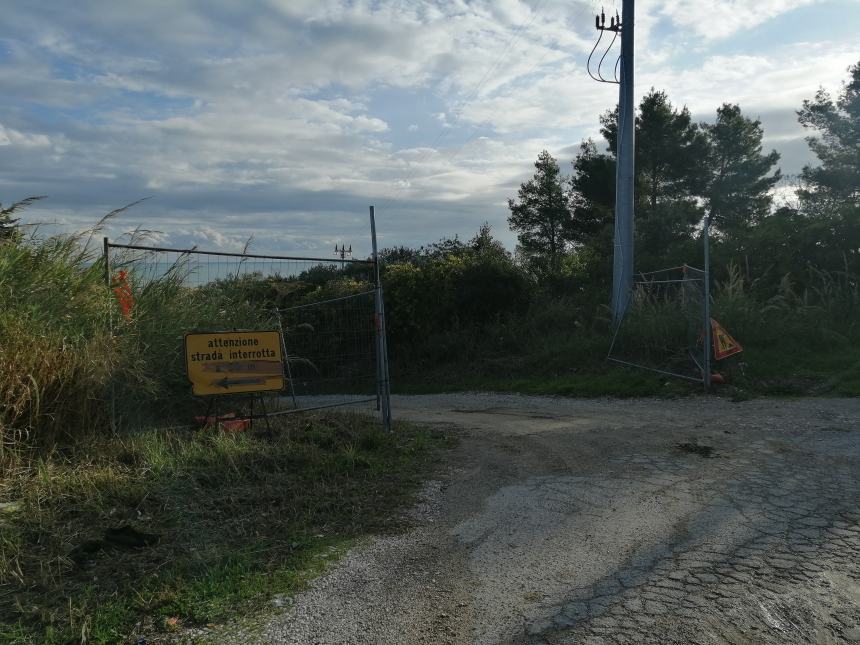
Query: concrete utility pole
x=622, y=262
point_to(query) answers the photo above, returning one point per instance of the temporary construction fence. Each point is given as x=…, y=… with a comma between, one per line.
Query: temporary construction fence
x=332, y=343
x=330, y=312
x=666, y=327
x=661, y=330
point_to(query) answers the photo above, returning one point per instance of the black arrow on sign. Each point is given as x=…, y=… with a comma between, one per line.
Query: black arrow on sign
x=227, y=382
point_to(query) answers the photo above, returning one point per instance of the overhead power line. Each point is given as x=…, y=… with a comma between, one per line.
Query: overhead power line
x=393, y=198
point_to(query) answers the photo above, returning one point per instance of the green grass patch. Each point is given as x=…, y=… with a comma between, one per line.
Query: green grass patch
x=784, y=370
x=775, y=375
x=619, y=382
x=147, y=533
x=571, y=363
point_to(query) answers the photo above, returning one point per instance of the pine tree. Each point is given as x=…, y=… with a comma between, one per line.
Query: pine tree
x=834, y=185
x=542, y=219
x=592, y=193
x=831, y=192
x=738, y=194
x=670, y=175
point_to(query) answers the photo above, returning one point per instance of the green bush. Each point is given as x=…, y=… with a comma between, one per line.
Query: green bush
x=452, y=293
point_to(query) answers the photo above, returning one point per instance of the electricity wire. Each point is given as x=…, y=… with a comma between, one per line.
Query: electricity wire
x=599, y=78
x=600, y=64
x=476, y=129
x=588, y=63
x=393, y=199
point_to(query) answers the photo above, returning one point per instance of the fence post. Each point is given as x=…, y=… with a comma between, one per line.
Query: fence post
x=106, y=251
x=383, y=377
x=376, y=319
x=112, y=403
x=706, y=359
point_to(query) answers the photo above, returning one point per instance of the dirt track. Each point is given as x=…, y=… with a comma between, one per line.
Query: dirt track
x=569, y=521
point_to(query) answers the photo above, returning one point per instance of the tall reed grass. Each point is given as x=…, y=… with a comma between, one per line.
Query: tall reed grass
x=56, y=351
x=66, y=350
x=823, y=314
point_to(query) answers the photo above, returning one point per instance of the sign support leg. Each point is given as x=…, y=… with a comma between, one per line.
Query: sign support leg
x=287, y=370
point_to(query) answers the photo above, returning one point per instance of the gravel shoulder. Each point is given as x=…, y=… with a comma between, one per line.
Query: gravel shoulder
x=603, y=521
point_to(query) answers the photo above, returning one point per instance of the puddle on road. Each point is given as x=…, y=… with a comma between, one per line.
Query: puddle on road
x=696, y=449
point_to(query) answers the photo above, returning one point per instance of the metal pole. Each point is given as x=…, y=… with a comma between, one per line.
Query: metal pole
x=385, y=368
x=383, y=387
x=112, y=403
x=706, y=359
x=386, y=375
x=106, y=251
x=287, y=372
x=376, y=320
x=622, y=262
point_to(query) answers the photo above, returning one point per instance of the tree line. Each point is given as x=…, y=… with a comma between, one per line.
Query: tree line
x=687, y=170
x=684, y=171
x=446, y=295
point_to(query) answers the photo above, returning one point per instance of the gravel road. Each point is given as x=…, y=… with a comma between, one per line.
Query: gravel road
x=601, y=521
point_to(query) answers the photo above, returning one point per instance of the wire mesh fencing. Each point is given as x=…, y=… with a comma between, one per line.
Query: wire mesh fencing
x=324, y=307
x=662, y=329
x=331, y=349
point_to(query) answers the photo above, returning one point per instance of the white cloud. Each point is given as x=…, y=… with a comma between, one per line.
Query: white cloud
x=780, y=78
x=235, y=114
x=714, y=19
x=10, y=137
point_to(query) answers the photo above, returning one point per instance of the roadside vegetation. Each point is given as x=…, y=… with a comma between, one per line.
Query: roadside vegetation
x=106, y=535
x=785, y=264
x=125, y=536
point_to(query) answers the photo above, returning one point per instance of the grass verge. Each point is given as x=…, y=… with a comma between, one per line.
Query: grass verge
x=148, y=533
x=620, y=383
x=771, y=371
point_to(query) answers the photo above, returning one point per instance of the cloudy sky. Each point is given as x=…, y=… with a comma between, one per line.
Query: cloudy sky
x=285, y=118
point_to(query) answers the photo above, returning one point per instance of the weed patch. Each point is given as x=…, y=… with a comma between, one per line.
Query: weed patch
x=145, y=533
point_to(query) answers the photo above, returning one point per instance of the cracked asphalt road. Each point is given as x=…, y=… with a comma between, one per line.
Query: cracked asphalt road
x=596, y=521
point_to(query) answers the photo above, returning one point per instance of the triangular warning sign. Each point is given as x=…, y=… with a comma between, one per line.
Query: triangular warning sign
x=724, y=344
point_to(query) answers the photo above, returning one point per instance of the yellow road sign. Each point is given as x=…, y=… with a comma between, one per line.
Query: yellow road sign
x=233, y=362
x=724, y=344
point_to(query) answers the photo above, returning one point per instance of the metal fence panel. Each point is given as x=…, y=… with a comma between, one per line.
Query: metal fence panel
x=327, y=309
x=662, y=330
